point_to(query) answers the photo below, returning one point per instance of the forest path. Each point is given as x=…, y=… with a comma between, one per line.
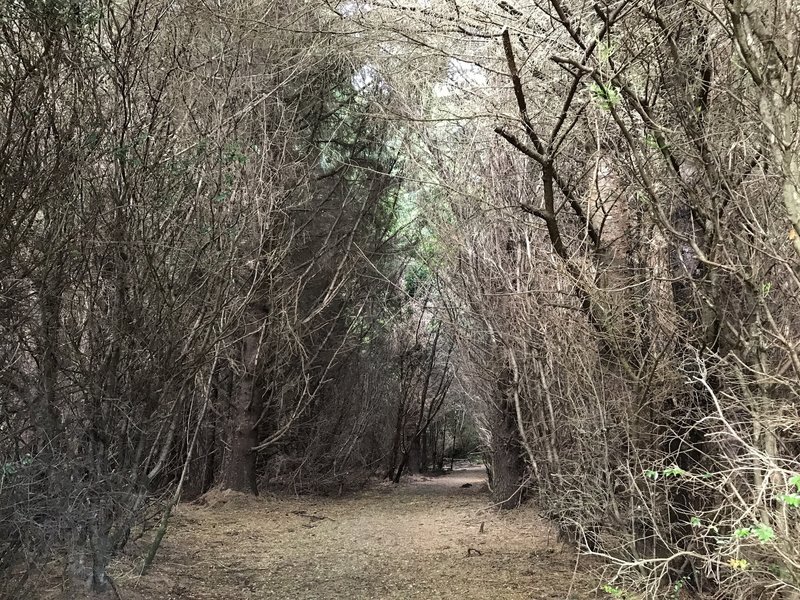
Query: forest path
x=406, y=541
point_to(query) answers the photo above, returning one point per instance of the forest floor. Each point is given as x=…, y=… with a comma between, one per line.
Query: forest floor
x=411, y=540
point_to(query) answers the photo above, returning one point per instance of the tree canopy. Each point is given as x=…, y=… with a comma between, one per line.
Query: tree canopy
x=294, y=245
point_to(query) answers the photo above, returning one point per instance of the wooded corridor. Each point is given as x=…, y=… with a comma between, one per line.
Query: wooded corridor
x=278, y=278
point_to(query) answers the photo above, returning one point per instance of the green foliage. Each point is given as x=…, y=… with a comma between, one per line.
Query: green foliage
x=790, y=499
x=417, y=275
x=614, y=592
x=674, y=471
x=605, y=50
x=233, y=153
x=12, y=468
x=677, y=587
x=764, y=533
x=651, y=141
x=607, y=96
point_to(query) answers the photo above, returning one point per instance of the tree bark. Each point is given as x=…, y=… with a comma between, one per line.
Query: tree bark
x=239, y=465
x=508, y=465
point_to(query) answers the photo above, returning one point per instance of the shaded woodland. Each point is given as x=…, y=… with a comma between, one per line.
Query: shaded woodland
x=294, y=247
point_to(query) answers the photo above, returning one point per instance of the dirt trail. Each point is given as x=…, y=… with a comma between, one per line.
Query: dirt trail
x=406, y=541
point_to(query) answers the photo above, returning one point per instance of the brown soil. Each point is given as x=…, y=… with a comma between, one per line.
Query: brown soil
x=420, y=539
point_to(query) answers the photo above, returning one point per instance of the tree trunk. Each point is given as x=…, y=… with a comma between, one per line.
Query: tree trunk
x=508, y=465
x=209, y=465
x=507, y=468
x=414, y=460
x=239, y=470
x=423, y=460
x=239, y=465
x=398, y=432
x=400, y=468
